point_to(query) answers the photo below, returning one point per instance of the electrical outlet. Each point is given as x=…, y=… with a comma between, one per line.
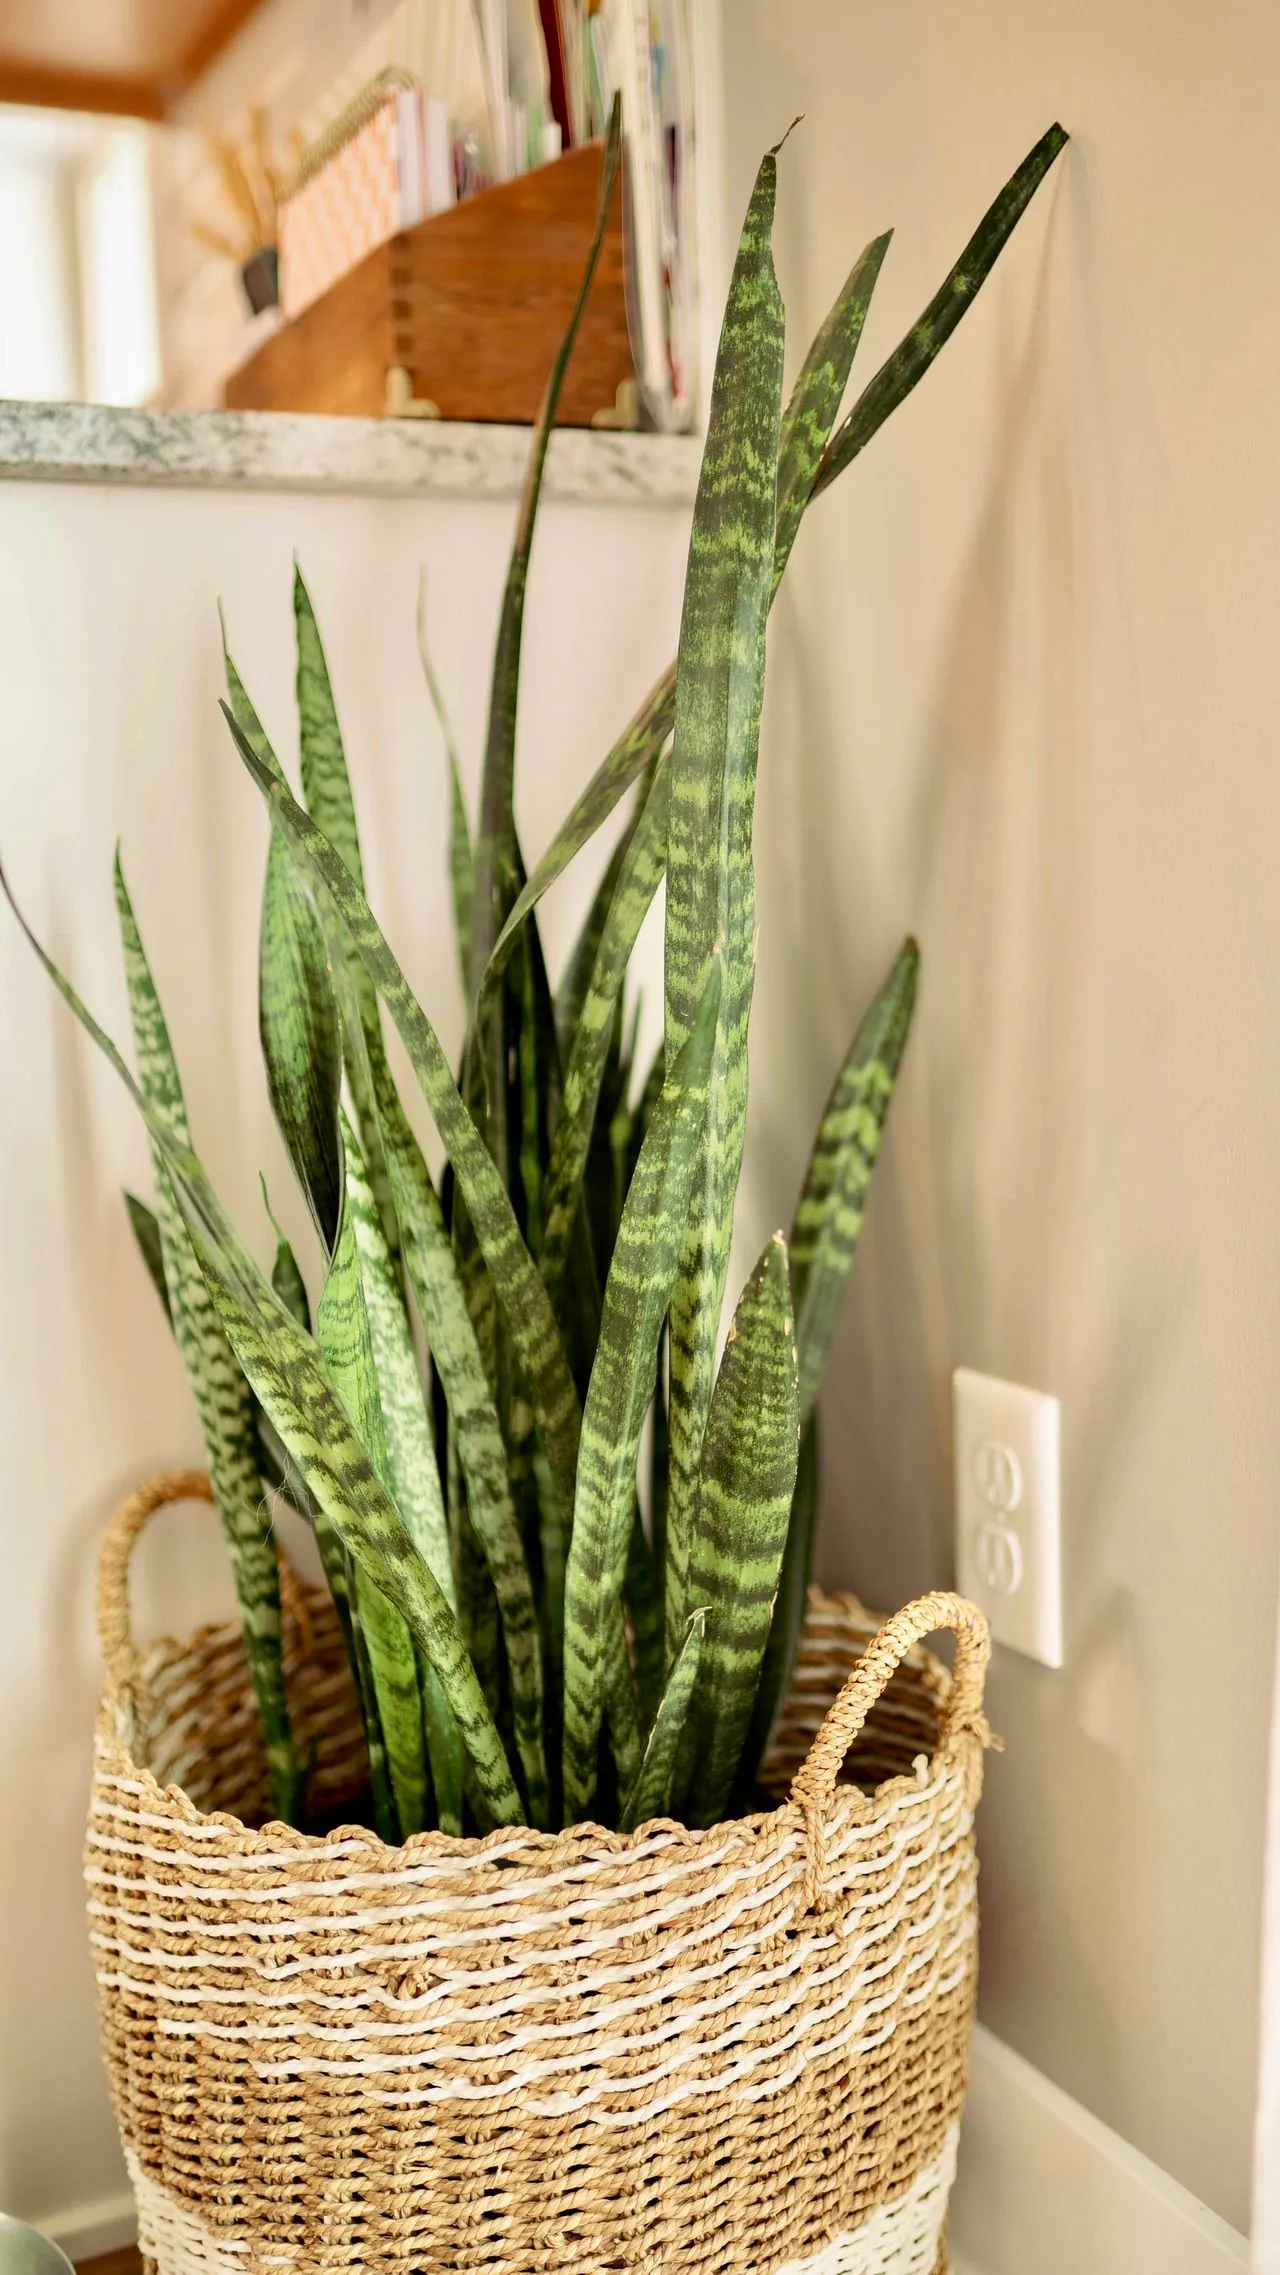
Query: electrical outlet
x=1008, y=1540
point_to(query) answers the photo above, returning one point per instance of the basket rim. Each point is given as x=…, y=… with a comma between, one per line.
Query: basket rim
x=948, y=1755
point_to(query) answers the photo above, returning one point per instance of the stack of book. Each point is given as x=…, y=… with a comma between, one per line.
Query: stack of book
x=458, y=94
x=638, y=49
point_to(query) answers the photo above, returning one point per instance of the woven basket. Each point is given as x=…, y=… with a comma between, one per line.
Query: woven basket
x=742, y=2049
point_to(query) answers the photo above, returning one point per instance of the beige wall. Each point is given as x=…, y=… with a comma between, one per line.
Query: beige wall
x=1025, y=700
x=111, y=665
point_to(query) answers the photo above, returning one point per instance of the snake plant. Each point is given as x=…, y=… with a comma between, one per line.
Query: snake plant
x=568, y=1550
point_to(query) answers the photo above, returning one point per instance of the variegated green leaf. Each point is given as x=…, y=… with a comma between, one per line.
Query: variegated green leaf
x=710, y=874
x=146, y=1231
x=286, y=1278
x=515, y=1277
x=912, y=357
x=413, y=1476
x=635, y=1304
x=462, y=872
x=496, y=882
x=829, y=1212
x=301, y=1038
x=346, y=1344
x=814, y=402
x=788, y=1618
x=326, y=790
x=644, y=1609
x=638, y=878
x=286, y=1370
x=638, y=747
x=433, y=1275
x=221, y=1392
x=297, y=1015
x=745, y=1485
x=642, y=740
x=580, y=962
x=650, y=1796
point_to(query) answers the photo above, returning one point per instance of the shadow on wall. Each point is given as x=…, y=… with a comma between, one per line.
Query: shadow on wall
x=969, y=820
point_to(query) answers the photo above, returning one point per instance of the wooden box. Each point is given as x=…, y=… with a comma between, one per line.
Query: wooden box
x=462, y=316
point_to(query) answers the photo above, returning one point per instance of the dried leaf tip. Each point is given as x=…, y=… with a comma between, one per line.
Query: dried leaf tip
x=796, y=121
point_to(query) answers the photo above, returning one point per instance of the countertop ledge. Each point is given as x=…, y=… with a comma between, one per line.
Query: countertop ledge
x=255, y=450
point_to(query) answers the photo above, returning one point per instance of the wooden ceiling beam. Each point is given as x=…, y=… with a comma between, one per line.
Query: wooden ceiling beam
x=58, y=90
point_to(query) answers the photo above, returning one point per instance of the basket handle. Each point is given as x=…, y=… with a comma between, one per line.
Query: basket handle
x=813, y=1786
x=111, y=1605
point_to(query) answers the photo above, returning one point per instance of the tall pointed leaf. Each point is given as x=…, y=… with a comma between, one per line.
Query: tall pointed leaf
x=912, y=357
x=710, y=876
x=829, y=1213
x=146, y=1231
x=644, y=1266
x=495, y=880
x=433, y=1275
x=326, y=790
x=644, y=737
x=515, y=1276
x=413, y=1476
x=286, y=1278
x=639, y=746
x=745, y=1486
x=639, y=875
x=221, y=1392
x=346, y=1345
x=285, y=1368
x=301, y=1037
x=650, y=1796
x=814, y=402
x=788, y=1618
x=462, y=872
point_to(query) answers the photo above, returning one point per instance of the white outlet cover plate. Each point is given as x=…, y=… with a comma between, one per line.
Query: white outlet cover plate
x=1008, y=1518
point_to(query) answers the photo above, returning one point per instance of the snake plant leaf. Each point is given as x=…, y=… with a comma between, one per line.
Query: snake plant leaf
x=515, y=1276
x=644, y=1610
x=221, y=1393
x=462, y=871
x=286, y=1278
x=645, y=1260
x=650, y=1796
x=284, y=1367
x=913, y=355
x=829, y=1212
x=580, y=963
x=638, y=748
x=778, y=1663
x=746, y=1482
x=638, y=878
x=345, y=1338
x=326, y=790
x=814, y=402
x=621, y=1705
x=301, y=1038
x=710, y=875
x=413, y=1475
x=297, y=1015
x=647, y=732
x=495, y=881
x=146, y=1231
x=476, y=1434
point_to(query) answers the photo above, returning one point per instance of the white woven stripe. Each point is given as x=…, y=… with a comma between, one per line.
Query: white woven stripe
x=901, y=2238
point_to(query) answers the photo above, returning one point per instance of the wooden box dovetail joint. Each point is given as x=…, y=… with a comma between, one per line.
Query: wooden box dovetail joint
x=470, y=306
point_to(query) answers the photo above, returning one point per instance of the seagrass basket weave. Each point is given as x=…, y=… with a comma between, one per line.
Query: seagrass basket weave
x=738, y=2050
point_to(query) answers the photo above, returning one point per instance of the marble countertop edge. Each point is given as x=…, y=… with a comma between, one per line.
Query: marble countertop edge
x=81, y=442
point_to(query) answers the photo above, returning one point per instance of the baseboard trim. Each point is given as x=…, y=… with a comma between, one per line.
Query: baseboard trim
x=108, y=2225
x=1044, y=2184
